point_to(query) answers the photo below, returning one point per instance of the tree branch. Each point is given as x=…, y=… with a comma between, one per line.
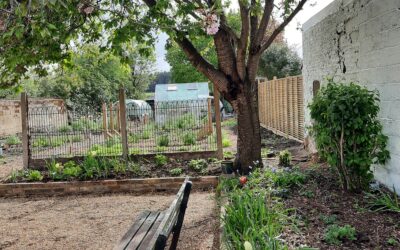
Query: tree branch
x=282, y=26
x=244, y=37
x=268, y=7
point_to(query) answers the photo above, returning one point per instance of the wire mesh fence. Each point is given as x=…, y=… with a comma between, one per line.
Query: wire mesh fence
x=184, y=126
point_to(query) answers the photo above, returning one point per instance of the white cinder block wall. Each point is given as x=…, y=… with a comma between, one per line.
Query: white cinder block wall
x=359, y=40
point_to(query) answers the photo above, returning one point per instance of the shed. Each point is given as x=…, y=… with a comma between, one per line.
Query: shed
x=175, y=100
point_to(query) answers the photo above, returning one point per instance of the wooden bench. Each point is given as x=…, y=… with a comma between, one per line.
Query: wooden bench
x=152, y=229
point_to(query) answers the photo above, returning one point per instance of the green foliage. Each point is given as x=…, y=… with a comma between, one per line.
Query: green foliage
x=189, y=138
x=176, y=171
x=392, y=242
x=13, y=140
x=384, y=202
x=163, y=141
x=118, y=166
x=110, y=142
x=133, y=138
x=198, y=165
x=249, y=218
x=281, y=61
x=14, y=176
x=265, y=152
x=285, y=158
x=71, y=170
x=34, y=175
x=228, y=154
x=49, y=141
x=83, y=124
x=348, y=132
x=89, y=166
x=65, y=129
x=230, y=123
x=160, y=160
x=335, y=234
x=55, y=170
x=187, y=121
x=226, y=143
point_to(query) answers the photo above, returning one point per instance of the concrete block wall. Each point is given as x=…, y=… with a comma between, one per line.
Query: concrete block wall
x=359, y=41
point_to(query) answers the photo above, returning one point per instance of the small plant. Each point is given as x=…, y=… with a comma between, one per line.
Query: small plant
x=392, y=241
x=118, y=166
x=13, y=140
x=176, y=171
x=161, y=160
x=329, y=219
x=335, y=234
x=65, y=129
x=76, y=138
x=34, y=175
x=231, y=123
x=14, y=176
x=307, y=193
x=55, y=170
x=198, y=165
x=226, y=143
x=289, y=179
x=285, y=158
x=265, y=152
x=133, y=138
x=135, y=169
x=113, y=141
x=228, y=155
x=71, y=170
x=90, y=165
x=189, y=139
x=163, y=141
x=384, y=202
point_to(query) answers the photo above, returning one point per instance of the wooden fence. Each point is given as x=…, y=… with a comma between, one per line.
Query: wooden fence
x=281, y=106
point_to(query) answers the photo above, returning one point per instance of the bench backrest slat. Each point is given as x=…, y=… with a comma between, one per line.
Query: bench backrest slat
x=173, y=218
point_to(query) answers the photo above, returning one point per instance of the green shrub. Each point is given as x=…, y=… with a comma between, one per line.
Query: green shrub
x=160, y=160
x=163, y=141
x=89, y=166
x=285, y=158
x=226, y=143
x=85, y=124
x=13, y=140
x=34, y=175
x=186, y=121
x=348, y=133
x=49, y=141
x=335, y=234
x=189, y=139
x=15, y=175
x=118, y=166
x=198, y=165
x=176, y=171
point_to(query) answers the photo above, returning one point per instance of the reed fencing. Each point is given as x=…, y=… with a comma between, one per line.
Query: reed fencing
x=281, y=106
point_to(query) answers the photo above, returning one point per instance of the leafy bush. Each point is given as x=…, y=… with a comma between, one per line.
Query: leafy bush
x=186, y=121
x=285, y=158
x=226, y=143
x=34, y=175
x=198, y=165
x=176, y=171
x=189, y=138
x=90, y=166
x=118, y=166
x=335, y=234
x=85, y=124
x=289, y=179
x=160, y=160
x=163, y=141
x=13, y=140
x=15, y=175
x=348, y=133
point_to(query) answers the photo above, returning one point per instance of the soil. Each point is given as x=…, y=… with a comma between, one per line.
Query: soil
x=322, y=196
x=8, y=163
x=98, y=222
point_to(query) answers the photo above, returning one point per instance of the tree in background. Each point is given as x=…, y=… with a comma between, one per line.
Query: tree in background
x=33, y=32
x=159, y=78
x=280, y=60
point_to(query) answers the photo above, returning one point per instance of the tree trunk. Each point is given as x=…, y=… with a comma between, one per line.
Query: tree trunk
x=249, y=137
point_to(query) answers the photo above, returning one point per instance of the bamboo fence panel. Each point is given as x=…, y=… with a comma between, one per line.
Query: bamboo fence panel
x=281, y=106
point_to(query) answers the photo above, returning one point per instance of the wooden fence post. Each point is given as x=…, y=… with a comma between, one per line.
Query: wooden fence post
x=124, y=134
x=220, y=152
x=24, y=123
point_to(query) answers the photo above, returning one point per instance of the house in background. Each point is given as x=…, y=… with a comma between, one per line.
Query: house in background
x=175, y=100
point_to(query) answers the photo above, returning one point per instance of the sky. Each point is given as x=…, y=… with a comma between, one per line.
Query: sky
x=292, y=32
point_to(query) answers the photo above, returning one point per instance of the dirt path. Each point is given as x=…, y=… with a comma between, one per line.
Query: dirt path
x=96, y=222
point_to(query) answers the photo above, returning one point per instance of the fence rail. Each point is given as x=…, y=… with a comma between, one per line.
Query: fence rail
x=167, y=127
x=281, y=106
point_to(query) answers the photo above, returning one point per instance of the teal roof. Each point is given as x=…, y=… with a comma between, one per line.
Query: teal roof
x=181, y=91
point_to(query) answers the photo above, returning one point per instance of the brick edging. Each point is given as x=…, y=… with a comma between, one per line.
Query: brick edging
x=166, y=184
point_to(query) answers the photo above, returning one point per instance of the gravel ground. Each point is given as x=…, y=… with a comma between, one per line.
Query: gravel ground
x=98, y=222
